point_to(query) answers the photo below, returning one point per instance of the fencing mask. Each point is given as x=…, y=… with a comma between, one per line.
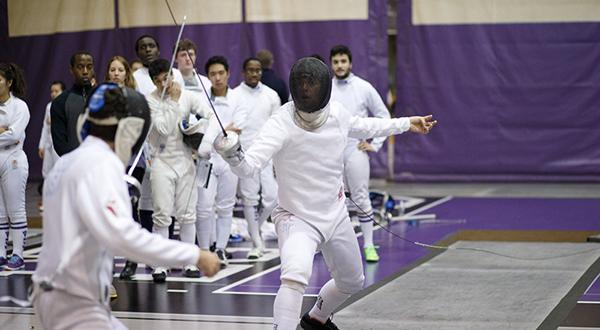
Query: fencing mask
x=310, y=86
x=119, y=114
x=193, y=129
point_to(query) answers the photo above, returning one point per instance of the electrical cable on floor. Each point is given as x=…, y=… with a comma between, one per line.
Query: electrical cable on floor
x=439, y=247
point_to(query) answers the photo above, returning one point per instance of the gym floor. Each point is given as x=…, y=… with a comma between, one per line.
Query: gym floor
x=241, y=296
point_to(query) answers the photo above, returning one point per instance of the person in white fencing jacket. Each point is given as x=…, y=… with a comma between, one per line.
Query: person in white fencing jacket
x=14, y=168
x=261, y=103
x=360, y=98
x=306, y=140
x=87, y=219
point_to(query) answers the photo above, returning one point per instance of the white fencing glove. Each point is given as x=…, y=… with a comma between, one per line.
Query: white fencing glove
x=229, y=148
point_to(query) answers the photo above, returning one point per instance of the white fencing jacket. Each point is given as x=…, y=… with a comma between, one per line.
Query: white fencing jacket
x=165, y=137
x=14, y=113
x=309, y=164
x=260, y=103
x=87, y=220
x=360, y=98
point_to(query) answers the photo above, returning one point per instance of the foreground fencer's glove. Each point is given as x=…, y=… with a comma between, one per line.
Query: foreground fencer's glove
x=229, y=148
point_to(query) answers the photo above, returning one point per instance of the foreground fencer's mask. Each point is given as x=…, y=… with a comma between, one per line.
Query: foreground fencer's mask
x=116, y=109
x=310, y=86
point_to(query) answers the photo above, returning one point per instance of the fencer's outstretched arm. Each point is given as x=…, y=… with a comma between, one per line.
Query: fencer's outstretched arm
x=106, y=213
x=270, y=140
x=366, y=128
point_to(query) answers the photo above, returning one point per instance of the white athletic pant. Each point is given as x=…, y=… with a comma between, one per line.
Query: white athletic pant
x=50, y=158
x=219, y=196
x=298, y=241
x=264, y=183
x=173, y=191
x=58, y=310
x=356, y=175
x=145, y=202
x=14, y=170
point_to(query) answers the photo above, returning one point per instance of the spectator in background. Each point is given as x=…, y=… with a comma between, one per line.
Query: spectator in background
x=14, y=169
x=269, y=77
x=67, y=107
x=119, y=72
x=45, y=147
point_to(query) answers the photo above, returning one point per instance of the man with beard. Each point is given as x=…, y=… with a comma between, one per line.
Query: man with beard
x=67, y=107
x=303, y=138
x=360, y=98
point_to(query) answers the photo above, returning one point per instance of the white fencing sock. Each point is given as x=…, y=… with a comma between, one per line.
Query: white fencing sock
x=223, y=230
x=288, y=305
x=162, y=231
x=18, y=231
x=253, y=225
x=187, y=232
x=203, y=233
x=330, y=297
x=3, y=236
x=366, y=226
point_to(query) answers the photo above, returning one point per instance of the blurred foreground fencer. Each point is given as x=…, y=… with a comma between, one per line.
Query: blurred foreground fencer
x=87, y=218
x=306, y=140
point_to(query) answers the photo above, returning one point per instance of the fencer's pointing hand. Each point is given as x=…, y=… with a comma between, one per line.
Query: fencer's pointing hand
x=422, y=125
x=208, y=263
x=229, y=148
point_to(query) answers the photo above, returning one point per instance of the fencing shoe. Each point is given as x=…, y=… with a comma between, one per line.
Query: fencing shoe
x=15, y=262
x=255, y=253
x=371, y=254
x=159, y=275
x=191, y=271
x=112, y=292
x=307, y=323
x=128, y=271
x=222, y=257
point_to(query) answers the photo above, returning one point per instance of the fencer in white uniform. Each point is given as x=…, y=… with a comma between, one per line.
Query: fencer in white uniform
x=45, y=146
x=14, y=168
x=88, y=218
x=260, y=102
x=219, y=195
x=172, y=173
x=148, y=51
x=305, y=139
x=360, y=98
x=186, y=60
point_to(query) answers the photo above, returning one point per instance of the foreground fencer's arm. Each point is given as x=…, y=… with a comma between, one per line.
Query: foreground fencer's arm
x=270, y=140
x=106, y=212
x=365, y=128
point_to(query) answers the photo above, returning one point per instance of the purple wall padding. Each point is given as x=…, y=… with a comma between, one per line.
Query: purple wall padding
x=46, y=58
x=514, y=101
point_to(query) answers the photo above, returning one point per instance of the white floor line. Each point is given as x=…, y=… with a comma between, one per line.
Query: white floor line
x=250, y=278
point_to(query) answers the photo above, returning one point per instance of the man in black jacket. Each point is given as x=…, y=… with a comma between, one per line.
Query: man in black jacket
x=269, y=77
x=67, y=107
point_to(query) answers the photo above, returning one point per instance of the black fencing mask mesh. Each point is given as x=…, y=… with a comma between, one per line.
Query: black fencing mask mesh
x=310, y=84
